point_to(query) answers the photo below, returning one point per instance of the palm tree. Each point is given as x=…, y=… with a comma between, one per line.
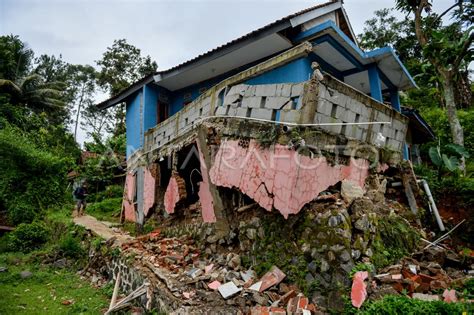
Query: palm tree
x=32, y=92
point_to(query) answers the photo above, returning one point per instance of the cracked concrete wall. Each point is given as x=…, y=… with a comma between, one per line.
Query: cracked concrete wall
x=128, y=208
x=278, y=177
x=341, y=103
x=149, y=190
x=175, y=192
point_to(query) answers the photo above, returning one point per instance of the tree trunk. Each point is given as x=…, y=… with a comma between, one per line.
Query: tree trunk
x=78, y=113
x=456, y=128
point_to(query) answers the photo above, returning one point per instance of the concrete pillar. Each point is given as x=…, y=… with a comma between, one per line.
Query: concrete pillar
x=395, y=100
x=375, y=84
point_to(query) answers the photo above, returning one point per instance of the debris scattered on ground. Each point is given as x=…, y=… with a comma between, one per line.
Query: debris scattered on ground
x=26, y=274
x=228, y=289
x=271, y=278
x=424, y=275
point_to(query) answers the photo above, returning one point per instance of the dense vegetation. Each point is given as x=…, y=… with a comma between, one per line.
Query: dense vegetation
x=445, y=39
x=43, y=101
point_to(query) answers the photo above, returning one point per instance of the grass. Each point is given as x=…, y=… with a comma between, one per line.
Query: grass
x=46, y=289
x=106, y=210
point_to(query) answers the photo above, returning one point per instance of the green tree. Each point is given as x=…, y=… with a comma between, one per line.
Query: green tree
x=82, y=87
x=121, y=65
x=15, y=58
x=448, y=49
x=23, y=87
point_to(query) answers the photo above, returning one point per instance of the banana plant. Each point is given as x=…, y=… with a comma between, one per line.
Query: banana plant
x=449, y=158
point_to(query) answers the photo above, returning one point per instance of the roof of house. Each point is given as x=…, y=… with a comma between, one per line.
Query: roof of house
x=334, y=46
x=423, y=132
x=275, y=26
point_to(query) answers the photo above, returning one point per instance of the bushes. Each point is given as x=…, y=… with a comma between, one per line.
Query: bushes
x=27, y=237
x=112, y=191
x=106, y=206
x=31, y=178
x=70, y=246
x=107, y=209
x=392, y=304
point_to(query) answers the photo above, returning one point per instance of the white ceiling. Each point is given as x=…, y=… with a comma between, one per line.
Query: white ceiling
x=329, y=54
x=259, y=49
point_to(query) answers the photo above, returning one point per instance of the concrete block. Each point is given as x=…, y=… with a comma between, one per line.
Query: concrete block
x=394, y=144
x=340, y=111
x=400, y=135
x=262, y=113
x=290, y=115
x=276, y=102
x=232, y=99
x=335, y=129
x=250, y=90
x=252, y=102
x=324, y=107
x=221, y=110
x=285, y=90
x=232, y=111
x=350, y=131
x=242, y=112
x=348, y=116
x=297, y=89
x=265, y=90
x=228, y=290
x=359, y=134
x=323, y=91
x=322, y=119
x=238, y=89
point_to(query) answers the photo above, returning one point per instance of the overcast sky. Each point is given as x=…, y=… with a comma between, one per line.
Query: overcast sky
x=169, y=31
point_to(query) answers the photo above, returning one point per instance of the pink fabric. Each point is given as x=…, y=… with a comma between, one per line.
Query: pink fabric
x=171, y=195
x=359, y=288
x=279, y=178
x=149, y=191
x=205, y=197
x=129, y=192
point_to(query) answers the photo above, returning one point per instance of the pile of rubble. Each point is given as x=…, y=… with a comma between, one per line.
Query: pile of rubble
x=173, y=254
x=220, y=279
x=428, y=275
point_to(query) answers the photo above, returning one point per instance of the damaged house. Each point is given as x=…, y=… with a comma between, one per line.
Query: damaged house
x=280, y=115
x=278, y=155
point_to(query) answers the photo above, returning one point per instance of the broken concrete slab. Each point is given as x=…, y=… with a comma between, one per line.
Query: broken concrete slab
x=256, y=286
x=214, y=285
x=351, y=190
x=228, y=290
x=26, y=274
x=248, y=275
x=273, y=277
x=359, y=289
x=450, y=296
x=425, y=297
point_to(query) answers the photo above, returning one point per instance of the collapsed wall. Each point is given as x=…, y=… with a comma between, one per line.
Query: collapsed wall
x=277, y=174
x=288, y=143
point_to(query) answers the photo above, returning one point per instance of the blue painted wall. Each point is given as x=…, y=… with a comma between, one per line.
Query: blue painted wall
x=150, y=107
x=132, y=119
x=177, y=97
x=296, y=71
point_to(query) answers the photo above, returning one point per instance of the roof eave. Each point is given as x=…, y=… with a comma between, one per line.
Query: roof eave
x=119, y=98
